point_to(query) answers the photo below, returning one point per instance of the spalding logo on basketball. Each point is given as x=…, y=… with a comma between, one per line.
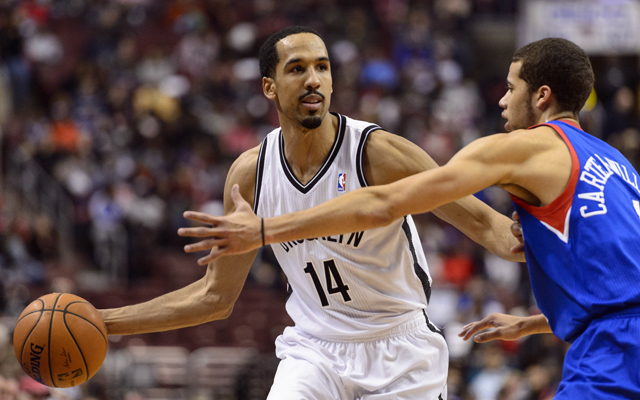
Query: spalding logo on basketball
x=60, y=340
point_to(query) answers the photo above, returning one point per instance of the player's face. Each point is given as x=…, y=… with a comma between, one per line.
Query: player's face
x=303, y=83
x=517, y=102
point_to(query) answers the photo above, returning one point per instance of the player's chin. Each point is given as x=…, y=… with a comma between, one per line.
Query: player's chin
x=510, y=127
x=311, y=121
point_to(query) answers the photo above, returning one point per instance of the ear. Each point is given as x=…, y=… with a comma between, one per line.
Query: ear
x=543, y=98
x=269, y=87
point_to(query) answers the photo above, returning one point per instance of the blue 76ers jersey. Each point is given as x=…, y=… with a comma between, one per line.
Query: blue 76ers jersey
x=583, y=249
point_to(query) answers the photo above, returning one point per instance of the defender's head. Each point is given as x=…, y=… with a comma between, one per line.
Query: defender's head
x=296, y=74
x=547, y=75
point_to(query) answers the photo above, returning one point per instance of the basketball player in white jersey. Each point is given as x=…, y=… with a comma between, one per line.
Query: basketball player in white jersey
x=358, y=300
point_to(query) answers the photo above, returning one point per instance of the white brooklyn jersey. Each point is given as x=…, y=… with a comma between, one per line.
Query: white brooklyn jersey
x=343, y=287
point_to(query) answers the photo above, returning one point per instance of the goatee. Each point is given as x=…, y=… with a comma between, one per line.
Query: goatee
x=311, y=122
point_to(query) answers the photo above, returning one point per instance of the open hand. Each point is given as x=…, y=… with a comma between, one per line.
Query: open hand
x=507, y=327
x=238, y=232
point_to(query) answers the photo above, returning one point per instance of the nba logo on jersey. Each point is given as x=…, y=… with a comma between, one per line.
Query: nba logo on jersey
x=342, y=182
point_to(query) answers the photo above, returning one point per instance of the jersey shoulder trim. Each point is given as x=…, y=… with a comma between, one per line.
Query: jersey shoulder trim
x=417, y=268
x=325, y=166
x=555, y=215
x=259, y=174
x=360, y=153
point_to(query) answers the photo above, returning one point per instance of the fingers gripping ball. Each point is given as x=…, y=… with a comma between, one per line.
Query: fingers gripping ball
x=60, y=340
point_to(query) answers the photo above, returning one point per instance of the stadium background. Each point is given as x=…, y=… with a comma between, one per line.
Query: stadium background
x=116, y=116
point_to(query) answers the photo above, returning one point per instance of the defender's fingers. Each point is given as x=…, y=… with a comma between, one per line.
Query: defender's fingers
x=515, y=216
x=488, y=336
x=468, y=334
x=476, y=327
x=516, y=230
x=204, y=245
x=201, y=217
x=519, y=248
x=464, y=333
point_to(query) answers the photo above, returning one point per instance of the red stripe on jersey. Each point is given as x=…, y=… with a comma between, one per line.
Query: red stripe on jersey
x=569, y=122
x=555, y=213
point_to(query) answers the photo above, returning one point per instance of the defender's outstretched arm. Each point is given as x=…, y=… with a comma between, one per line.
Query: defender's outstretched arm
x=483, y=163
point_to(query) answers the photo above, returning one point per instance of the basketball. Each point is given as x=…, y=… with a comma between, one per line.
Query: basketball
x=60, y=340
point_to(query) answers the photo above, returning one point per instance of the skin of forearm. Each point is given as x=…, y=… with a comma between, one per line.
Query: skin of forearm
x=367, y=208
x=334, y=217
x=188, y=306
x=500, y=240
x=379, y=206
x=484, y=226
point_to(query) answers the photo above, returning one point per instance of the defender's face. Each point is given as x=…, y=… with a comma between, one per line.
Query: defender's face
x=303, y=83
x=517, y=102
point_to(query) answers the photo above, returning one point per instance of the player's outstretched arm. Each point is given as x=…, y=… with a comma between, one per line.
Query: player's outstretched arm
x=210, y=298
x=389, y=157
x=483, y=163
x=505, y=327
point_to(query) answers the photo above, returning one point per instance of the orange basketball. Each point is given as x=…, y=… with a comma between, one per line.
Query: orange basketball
x=60, y=340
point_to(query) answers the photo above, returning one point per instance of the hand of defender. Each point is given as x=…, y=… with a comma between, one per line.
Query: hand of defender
x=507, y=327
x=516, y=230
x=238, y=232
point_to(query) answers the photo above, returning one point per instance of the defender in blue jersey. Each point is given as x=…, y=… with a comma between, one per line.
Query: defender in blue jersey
x=579, y=206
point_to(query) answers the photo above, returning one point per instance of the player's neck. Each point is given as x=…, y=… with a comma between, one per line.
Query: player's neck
x=306, y=150
x=553, y=115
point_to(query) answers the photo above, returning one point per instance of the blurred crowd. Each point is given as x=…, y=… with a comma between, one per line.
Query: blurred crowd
x=135, y=109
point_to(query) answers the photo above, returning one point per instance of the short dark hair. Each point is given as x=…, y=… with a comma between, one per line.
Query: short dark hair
x=560, y=64
x=268, y=52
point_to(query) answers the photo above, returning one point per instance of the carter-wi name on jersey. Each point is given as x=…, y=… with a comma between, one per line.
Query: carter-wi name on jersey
x=596, y=173
x=352, y=240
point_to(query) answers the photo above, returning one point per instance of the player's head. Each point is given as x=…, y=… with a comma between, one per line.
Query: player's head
x=296, y=74
x=547, y=73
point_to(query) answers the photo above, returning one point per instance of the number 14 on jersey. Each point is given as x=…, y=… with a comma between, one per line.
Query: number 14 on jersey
x=332, y=275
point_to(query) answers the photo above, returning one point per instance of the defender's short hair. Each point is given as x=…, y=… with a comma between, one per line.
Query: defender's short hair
x=561, y=65
x=268, y=52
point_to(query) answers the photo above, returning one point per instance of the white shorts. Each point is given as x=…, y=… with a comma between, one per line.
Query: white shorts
x=410, y=363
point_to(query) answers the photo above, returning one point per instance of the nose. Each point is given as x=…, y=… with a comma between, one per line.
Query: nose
x=503, y=101
x=312, y=81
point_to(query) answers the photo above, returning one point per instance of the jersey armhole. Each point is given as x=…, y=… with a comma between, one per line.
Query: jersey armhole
x=555, y=213
x=360, y=154
x=259, y=174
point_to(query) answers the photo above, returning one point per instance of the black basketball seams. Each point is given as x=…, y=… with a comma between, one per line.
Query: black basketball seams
x=31, y=331
x=76, y=302
x=32, y=312
x=72, y=313
x=84, y=360
x=80, y=316
x=49, y=349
